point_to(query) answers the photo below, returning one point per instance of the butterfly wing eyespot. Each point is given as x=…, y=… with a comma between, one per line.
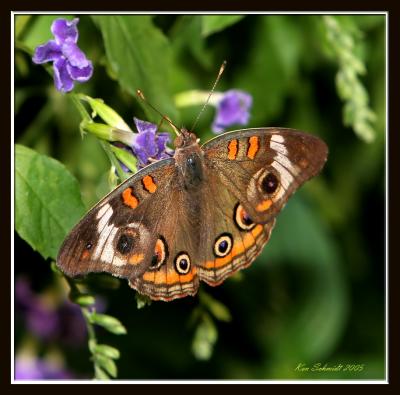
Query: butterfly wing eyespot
x=125, y=244
x=242, y=219
x=182, y=263
x=160, y=254
x=223, y=245
x=269, y=183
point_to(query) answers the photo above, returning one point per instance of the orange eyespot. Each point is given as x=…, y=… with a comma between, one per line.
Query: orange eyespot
x=242, y=219
x=160, y=254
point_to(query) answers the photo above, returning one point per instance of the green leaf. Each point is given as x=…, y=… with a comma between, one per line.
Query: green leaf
x=47, y=201
x=83, y=300
x=215, y=23
x=107, y=351
x=107, y=364
x=186, y=34
x=126, y=158
x=216, y=308
x=140, y=56
x=21, y=22
x=108, y=322
x=204, y=339
x=92, y=346
x=105, y=112
x=100, y=374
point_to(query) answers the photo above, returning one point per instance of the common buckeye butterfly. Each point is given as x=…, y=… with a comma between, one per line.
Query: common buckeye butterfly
x=203, y=214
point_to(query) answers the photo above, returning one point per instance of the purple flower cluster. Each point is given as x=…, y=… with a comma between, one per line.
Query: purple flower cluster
x=32, y=368
x=69, y=62
x=63, y=323
x=232, y=109
x=148, y=145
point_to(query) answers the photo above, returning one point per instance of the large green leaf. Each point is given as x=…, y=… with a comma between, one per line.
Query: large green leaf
x=215, y=23
x=186, y=33
x=47, y=200
x=140, y=56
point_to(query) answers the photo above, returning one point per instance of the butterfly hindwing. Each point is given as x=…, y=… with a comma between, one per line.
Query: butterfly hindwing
x=229, y=240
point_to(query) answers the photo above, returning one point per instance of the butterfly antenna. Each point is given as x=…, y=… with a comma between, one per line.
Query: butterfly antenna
x=221, y=70
x=141, y=96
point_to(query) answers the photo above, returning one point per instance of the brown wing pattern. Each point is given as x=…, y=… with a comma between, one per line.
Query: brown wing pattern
x=230, y=241
x=164, y=238
x=177, y=230
x=264, y=167
x=116, y=236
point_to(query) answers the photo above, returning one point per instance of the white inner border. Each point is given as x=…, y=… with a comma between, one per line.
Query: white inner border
x=266, y=381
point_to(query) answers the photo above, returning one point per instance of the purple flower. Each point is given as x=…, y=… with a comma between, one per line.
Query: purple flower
x=31, y=368
x=69, y=62
x=149, y=145
x=233, y=108
x=50, y=323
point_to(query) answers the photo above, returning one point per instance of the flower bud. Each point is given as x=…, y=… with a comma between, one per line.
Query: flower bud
x=106, y=113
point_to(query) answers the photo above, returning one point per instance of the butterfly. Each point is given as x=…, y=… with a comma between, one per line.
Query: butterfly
x=203, y=214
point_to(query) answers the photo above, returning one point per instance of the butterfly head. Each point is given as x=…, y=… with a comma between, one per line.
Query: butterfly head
x=185, y=139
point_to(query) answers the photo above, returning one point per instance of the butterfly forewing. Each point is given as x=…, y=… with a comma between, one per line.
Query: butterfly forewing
x=116, y=235
x=264, y=167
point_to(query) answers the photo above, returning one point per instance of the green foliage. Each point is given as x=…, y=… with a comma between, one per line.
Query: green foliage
x=47, y=201
x=39, y=29
x=311, y=332
x=315, y=294
x=206, y=332
x=211, y=24
x=356, y=111
x=140, y=56
x=269, y=68
x=108, y=322
x=205, y=337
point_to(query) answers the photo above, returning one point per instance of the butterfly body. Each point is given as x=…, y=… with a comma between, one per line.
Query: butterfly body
x=202, y=215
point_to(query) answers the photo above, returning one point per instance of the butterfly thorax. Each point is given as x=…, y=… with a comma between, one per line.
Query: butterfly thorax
x=189, y=160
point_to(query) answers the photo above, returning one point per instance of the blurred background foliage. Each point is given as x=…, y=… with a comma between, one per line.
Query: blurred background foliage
x=316, y=293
